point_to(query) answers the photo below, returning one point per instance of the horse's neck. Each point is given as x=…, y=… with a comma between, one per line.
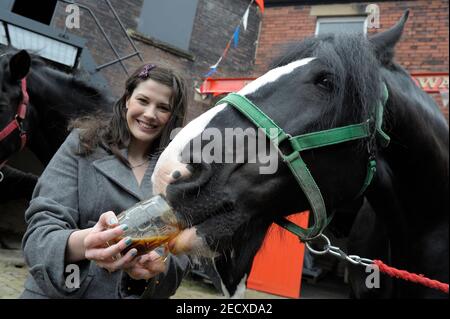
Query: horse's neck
x=56, y=99
x=52, y=90
x=418, y=153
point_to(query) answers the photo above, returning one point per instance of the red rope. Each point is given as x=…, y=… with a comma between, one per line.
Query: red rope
x=403, y=274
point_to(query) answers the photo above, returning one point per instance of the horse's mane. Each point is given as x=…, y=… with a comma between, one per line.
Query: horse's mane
x=416, y=108
x=402, y=86
x=351, y=62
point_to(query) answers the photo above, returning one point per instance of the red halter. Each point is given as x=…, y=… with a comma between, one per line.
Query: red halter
x=16, y=123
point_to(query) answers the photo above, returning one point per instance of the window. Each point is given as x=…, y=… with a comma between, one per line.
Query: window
x=41, y=11
x=168, y=21
x=46, y=47
x=341, y=25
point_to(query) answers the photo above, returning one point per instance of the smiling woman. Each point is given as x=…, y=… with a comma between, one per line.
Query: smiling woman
x=104, y=166
x=148, y=111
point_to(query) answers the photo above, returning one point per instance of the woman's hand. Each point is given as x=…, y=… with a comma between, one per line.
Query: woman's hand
x=146, y=266
x=101, y=244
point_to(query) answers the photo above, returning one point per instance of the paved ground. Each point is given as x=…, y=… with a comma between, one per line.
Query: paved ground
x=13, y=273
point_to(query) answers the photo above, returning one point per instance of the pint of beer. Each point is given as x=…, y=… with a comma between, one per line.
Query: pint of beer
x=151, y=223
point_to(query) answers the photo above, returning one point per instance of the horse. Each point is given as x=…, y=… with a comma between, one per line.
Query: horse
x=315, y=98
x=36, y=104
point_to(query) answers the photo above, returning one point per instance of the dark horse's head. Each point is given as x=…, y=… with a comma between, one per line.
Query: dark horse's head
x=14, y=69
x=326, y=82
x=55, y=97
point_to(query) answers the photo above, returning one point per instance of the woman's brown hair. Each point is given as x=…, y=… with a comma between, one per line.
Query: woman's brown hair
x=111, y=131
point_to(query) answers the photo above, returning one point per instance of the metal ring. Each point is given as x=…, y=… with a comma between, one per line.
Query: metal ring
x=1, y=176
x=319, y=252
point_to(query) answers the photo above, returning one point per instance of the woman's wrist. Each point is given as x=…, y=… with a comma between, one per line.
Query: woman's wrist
x=75, y=250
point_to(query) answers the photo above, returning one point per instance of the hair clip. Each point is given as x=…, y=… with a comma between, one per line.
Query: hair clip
x=146, y=70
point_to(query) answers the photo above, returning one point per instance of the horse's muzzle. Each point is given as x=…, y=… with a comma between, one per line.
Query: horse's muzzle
x=167, y=173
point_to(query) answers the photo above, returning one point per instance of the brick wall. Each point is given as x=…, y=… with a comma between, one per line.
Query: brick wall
x=280, y=27
x=213, y=28
x=423, y=48
x=214, y=25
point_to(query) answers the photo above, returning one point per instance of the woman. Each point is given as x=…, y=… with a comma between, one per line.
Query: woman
x=103, y=168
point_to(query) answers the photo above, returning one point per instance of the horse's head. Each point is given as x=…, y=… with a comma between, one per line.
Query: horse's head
x=228, y=191
x=55, y=95
x=14, y=66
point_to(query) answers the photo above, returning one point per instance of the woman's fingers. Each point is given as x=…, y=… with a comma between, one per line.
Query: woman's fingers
x=153, y=262
x=147, y=266
x=107, y=253
x=120, y=263
x=96, y=239
x=106, y=220
x=140, y=273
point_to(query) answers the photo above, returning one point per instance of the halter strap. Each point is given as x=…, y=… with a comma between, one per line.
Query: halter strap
x=382, y=137
x=16, y=123
x=305, y=142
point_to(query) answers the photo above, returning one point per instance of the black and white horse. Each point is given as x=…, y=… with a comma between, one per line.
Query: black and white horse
x=326, y=82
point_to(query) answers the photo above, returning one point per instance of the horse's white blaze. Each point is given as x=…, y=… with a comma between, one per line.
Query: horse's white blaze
x=273, y=75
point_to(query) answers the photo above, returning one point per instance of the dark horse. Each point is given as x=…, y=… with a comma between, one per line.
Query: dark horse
x=327, y=82
x=55, y=97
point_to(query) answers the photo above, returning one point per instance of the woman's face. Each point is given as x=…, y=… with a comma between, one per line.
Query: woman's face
x=148, y=110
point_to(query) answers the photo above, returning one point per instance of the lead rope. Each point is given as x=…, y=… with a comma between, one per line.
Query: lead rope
x=390, y=271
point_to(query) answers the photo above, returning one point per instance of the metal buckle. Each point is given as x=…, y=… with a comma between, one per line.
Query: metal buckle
x=277, y=146
x=326, y=248
x=19, y=122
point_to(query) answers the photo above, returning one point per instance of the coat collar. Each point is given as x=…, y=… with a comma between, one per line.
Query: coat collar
x=111, y=167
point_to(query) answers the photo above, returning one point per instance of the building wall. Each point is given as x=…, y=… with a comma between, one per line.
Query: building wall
x=423, y=47
x=213, y=26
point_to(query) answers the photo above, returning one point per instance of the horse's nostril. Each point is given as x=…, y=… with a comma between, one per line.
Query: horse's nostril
x=200, y=174
x=176, y=174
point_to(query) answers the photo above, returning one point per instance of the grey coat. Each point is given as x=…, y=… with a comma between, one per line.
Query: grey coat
x=71, y=194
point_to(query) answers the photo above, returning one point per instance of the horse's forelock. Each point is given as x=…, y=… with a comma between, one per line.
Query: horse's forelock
x=356, y=71
x=352, y=62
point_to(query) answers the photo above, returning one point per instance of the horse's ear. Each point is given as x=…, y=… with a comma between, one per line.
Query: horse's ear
x=19, y=65
x=385, y=42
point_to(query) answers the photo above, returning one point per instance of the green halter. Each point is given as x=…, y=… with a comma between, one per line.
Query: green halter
x=306, y=142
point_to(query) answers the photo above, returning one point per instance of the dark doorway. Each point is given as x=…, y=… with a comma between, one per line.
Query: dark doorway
x=41, y=10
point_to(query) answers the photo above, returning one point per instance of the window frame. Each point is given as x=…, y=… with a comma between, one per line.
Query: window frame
x=342, y=19
x=168, y=42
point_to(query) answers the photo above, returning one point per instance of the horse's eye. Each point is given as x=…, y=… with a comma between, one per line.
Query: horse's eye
x=324, y=82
